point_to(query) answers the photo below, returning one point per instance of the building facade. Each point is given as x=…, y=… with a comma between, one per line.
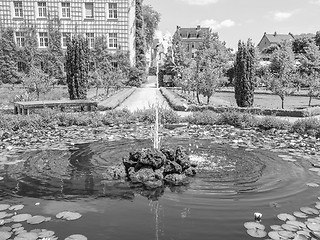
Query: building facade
x=113, y=19
x=273, y=39
x=191, y=38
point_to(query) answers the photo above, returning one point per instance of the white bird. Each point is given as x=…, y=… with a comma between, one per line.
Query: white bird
x=257, y=216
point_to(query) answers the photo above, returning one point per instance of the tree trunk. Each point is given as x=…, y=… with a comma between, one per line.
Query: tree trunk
x=310, y=98
x=282, y=102
x=198, y=98
x=208, y=99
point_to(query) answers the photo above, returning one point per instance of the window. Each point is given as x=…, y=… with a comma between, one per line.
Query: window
x=42, y=9
x=43, y=39
x=113, y=10
x=114, y=64
x=193, y=55
x=20, y=39
x=18, y=11
x=192, y=45
x=22, y=67
x=113, y=40
x=65, y=37
x=90, y=38
x=88, y=10
x=65, y=10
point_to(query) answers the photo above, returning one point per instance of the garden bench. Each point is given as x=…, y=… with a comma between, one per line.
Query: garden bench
x=24, y=107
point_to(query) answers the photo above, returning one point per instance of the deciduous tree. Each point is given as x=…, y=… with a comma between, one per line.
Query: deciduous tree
x=151, y=20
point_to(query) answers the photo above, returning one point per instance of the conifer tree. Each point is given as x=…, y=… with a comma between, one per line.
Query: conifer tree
x=244, y=74
x=140, y=38
x=77, y=67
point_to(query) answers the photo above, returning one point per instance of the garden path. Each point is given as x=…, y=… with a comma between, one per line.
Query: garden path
x=145, y=97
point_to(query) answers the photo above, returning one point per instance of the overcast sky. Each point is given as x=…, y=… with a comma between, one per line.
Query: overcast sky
x=236, y=20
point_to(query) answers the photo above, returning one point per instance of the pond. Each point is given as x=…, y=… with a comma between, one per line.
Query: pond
x=231, y=184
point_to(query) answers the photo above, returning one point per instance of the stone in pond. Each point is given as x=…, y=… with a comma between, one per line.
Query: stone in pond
x=286, y=216
x=4, y=207
x=257, y=233
x=76, y=237
x=16, y=207
x=21, y=217
x=66, y=215
x=5, y=235
x=176, y=179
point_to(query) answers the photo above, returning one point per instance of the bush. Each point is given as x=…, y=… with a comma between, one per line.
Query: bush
x=202, y=118
x=135, y=77
x=237, y=119
x=267, y=123
x=309, y=126
x=149, y=115
x=152, y=71
x=174, y=100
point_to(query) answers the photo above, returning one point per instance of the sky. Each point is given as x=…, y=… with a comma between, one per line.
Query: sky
x=236, y=20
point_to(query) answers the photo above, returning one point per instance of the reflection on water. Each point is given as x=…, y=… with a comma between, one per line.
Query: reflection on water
x=230, y=186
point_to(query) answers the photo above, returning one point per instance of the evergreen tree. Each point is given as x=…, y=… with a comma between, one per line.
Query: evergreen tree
x=244, y=74
x=140, y=38
x=8, y=65
x=77, y=67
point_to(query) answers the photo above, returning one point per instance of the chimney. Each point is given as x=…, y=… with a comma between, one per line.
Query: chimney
x=198, y=27
x=178, y=27
x=275, y=34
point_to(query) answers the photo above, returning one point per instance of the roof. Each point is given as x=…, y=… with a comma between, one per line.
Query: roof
x=278, y=38
x=197, y=32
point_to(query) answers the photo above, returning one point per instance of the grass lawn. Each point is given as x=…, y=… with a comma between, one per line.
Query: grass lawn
x=260, y=100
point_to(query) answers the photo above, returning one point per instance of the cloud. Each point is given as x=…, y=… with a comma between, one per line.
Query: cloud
x=215, y=25
x=317, y=2
x=280, y=16
x=200, y=2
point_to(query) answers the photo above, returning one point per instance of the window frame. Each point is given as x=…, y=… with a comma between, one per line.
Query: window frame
x=17, y=9
x=113, y=41
x=91, y=39
x=43, y=7
x=65, y=10
x=85, y=10
x=43, y=39
x=112, y=11
x=20, y=35
x=64, y=39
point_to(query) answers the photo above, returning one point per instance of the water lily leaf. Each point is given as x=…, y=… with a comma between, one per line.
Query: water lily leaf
x=253, y=225
x=16, y=207
x=304, y=232
x=314, y=169
x=286, y=216
x=258, y=233
x=309, y=210
x=5, y=235
x=297, y=224
x=21, y=217
x=26, y=236
x=4, y=207
x=314, y=227
x=76, y=237
x=68, y=215
x=16, y=225
x=5, y=229
x=1, y=178
x=286, y=234
x=3, y=215
x=46, y=233
x=300, y=237
x=274, y=235
x=289, y=227
x=300, y=214
x=276, y=227
x=36, y=219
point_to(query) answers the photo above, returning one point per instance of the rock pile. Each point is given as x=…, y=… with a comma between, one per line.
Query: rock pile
x=153, y=168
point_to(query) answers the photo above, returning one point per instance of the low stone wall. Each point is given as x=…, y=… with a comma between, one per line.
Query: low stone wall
x=116, y=99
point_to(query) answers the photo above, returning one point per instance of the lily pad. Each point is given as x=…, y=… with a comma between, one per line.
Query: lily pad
x=286, y=216
x=274, y=235
x=300, y=214
x=5, y=229
x=4, y=207
x=300, y=237
x=76, y=237
x=309, y=210
x=16, y=225
x=312, y=184
x=21, y=217
x=289, y=227
x=5, y=235
x=27, y=236
x=257, y=233
x=1, y=178
x=36, y=219
x=68, y=215
x=3, y=215
x=314, y=227
x=297, y=224
x=276, y=227
x=286, y=234
x=46, y=233
x=16, y=207
x=253, y=225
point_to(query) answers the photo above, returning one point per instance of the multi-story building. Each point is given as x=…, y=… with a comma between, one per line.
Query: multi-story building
x=192, y=38
x=114, y=19
x=273, y=39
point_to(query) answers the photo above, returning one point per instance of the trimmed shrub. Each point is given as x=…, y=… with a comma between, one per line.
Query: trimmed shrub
x=237, y=119
x=202, y=118
x=176, y=102
x=267, y=123
x=309, y=126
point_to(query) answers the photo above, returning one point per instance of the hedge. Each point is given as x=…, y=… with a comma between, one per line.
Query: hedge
x=116, y=99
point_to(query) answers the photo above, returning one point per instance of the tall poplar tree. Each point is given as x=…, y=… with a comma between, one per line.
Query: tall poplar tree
x=140, y=38
x=244, y=74
x=77, y=67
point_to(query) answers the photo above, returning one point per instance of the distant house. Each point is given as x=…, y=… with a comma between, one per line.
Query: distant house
x=192, y=38
x=273, y=39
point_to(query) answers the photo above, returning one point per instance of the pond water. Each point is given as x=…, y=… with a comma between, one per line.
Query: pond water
x=231, y=184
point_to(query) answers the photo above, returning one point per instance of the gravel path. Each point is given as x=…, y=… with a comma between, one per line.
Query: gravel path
x=145, y=97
